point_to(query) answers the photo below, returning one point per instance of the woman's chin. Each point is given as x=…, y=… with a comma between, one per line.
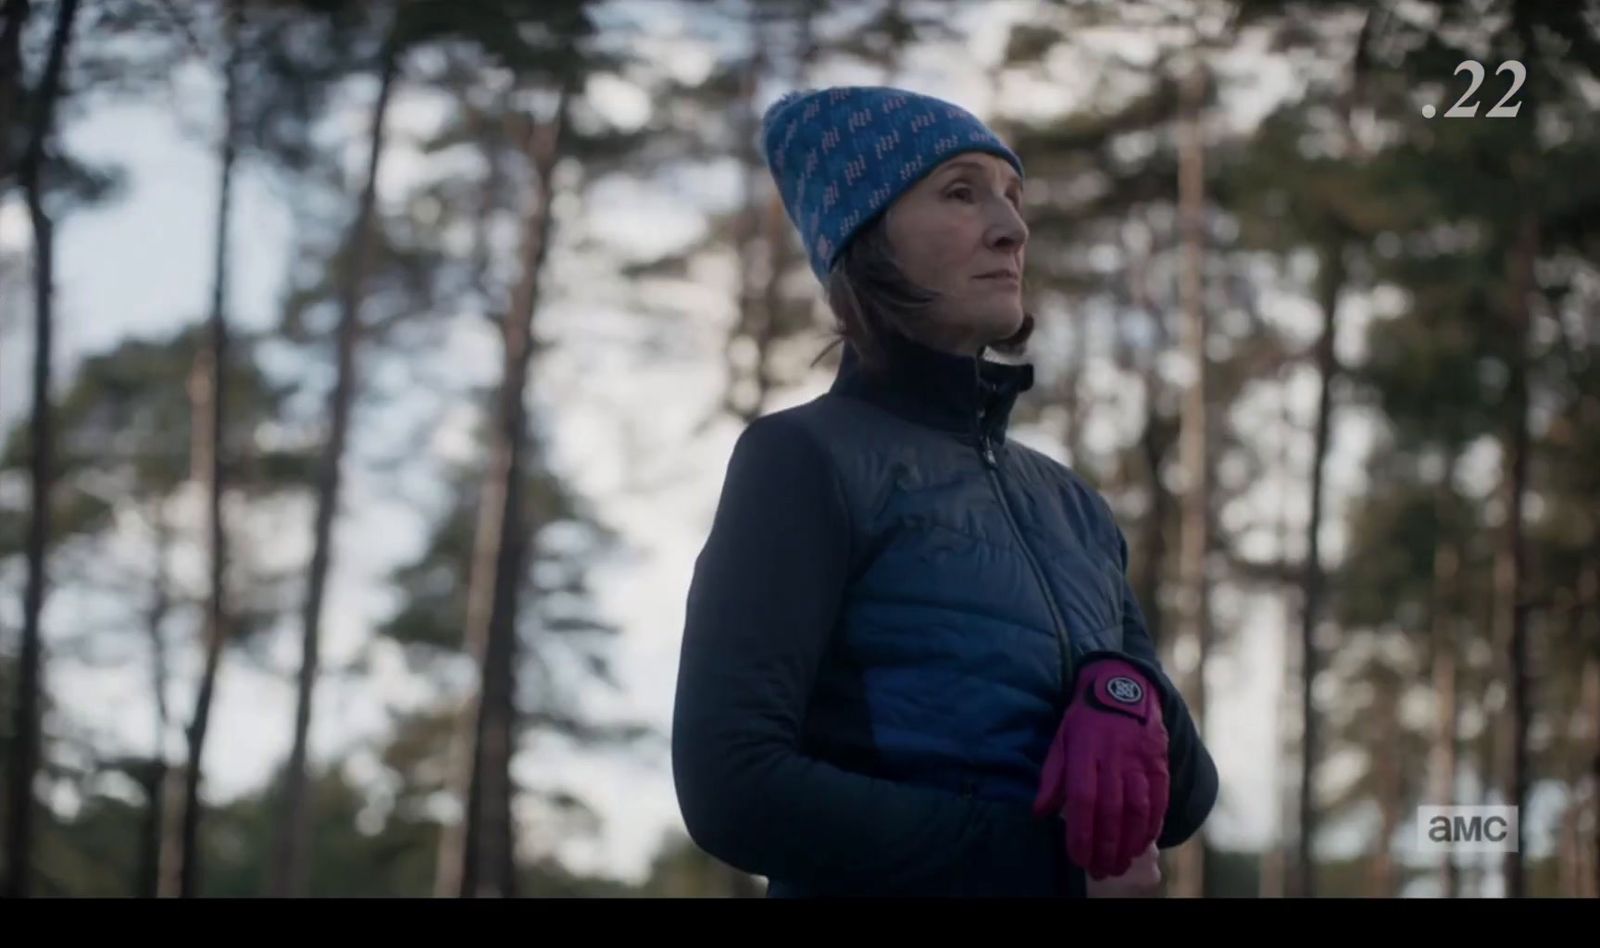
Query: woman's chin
x=1005, y=323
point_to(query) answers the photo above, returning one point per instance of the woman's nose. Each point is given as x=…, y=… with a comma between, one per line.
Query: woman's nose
x=1009, y=233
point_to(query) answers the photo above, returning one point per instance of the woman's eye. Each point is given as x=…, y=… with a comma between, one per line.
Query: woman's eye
x=961, y=193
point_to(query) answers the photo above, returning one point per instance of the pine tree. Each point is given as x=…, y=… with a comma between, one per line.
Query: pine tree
x=562, y=647
x=122, y=463
x=289, y=859
x=537, y=52
x=42, y=102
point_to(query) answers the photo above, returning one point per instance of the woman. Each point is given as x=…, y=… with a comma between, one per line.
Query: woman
x=912, y=662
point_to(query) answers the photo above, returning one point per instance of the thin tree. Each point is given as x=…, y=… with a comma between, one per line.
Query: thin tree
x=180, y=872
x=12, y=17
x=1193, y=436
x=25, y=759
x=290, y=867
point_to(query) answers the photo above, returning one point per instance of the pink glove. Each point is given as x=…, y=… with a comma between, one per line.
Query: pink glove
x=1106, y=772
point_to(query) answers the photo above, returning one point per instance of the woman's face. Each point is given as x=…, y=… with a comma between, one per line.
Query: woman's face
x=952, y=233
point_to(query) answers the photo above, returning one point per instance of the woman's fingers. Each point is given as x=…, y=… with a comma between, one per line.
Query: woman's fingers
x=1159, y=791
x=1109, y=857
x=1052, y=795
x=1136, y=833
x=1081, y=814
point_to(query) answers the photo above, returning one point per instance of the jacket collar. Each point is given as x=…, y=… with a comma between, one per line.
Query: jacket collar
x=962, y=394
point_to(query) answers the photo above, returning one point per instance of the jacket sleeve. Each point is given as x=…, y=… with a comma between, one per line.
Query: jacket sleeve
x=1193, y=772
x=762, y=604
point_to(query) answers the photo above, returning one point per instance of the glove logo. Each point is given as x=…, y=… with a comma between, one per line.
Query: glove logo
x=1125, y=690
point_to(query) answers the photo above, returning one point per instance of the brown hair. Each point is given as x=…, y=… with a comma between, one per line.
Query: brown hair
x=871, y=296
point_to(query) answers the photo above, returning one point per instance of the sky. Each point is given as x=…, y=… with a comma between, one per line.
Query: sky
x=619, y=418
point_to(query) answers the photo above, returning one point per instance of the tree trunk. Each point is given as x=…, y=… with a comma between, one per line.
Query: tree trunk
x=1511, y=561
x=1073, y=388
x=1573, y=846
x=1446, y=568
x=30, y=676
x=763, y=226
x=1589, y=885
x=170, y=861
x=1189, y=862
x=1590, y=598
x=146, y=884
x=1155, y=444
x=1446, y=564
x=208, y=397
x=1330, y=283
x=1491, y=738
x=1390, y=786
x=1274, y=881
x=770, y=214
x=12, y=15
x=753, y=321
x=477, y=858
x=290, y=870
x=149, y=882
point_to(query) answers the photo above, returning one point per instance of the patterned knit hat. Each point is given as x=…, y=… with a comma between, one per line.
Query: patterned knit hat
x=840, y=155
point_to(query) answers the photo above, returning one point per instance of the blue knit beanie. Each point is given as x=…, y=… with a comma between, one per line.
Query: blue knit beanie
x=841, y=155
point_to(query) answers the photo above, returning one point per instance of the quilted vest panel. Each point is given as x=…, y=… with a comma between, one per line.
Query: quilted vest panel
x=976, y=583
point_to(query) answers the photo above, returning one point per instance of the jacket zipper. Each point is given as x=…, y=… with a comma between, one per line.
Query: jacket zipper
x=987, y=452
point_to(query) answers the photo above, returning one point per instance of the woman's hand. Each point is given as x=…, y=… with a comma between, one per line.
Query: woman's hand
x=1141, y=881
x=1106, y=770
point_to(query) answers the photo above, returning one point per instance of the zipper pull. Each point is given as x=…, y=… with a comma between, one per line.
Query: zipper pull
x=983, y=439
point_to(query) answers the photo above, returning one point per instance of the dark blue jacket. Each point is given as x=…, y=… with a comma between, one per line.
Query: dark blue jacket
x=881, y=633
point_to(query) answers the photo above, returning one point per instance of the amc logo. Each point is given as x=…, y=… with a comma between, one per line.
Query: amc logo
x=1467, y=829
